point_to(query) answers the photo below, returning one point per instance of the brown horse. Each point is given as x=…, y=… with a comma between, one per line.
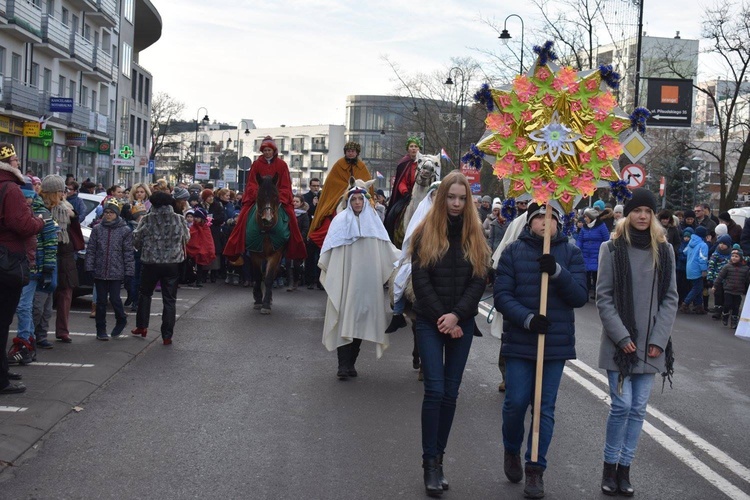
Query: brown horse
x=271, y=232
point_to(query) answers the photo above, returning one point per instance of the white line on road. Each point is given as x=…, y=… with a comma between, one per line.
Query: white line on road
x=71, y=333
x=715, y=453
x=64, y=365
x=12, y=409
x=110, y=313
x=671, y=445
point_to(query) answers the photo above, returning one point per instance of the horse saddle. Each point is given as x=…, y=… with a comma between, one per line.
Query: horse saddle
x=254, y=235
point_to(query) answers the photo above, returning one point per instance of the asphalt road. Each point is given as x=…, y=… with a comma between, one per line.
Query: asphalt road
x=248, y=406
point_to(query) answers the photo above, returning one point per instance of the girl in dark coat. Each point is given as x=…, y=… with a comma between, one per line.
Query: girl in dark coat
x=449, y=266
x=593, y=233
x=294, y=266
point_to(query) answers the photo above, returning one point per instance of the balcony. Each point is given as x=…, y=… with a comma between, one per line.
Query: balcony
x=102, y=65
x=24, y=20
x=55, y=37
x=3, y=10
x=17, y=96
x=111, y=129
x=86, y=6
x=105, y=13
x=81, y=52
x=319, y=147
x=80, y=117
x=98, y=123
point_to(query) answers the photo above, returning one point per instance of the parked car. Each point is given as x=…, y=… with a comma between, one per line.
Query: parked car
x=85, y=281
x=90, y=201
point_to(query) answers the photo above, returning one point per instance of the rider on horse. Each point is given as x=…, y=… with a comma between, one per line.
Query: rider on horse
x=267, y=165
x=404, y=182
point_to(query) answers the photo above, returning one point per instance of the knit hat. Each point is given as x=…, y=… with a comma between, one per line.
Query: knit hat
x=380, y=192
x=195, y=188
x=726, y=239
x=194, y=198
x=189, y=211
x=114, y=205
x=701, y=231
x=641, y=198
x=28, y=187
x=352, y=145
x=497, y=204
x=536, y=209
x=200, y=213
x=689, y=214
x=689, y=231
x=599, y=205
x=205, y=194
x=180, y=193
x=53, y=184
x=36, y=180
x=591, y=213
x=618, y=209
x=721, y=229
x=486, y=199
x=725, y=216
x=269, y=143
x=736, y=248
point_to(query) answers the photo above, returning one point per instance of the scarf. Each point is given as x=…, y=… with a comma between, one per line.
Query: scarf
x=111, y=223
x=623, y=281
x=62, y=217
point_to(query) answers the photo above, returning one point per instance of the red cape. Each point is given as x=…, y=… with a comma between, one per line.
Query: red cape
x=236, y=244
x=200, y=248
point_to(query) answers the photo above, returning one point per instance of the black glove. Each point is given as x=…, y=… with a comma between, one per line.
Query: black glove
x=128, y=282
x=539, y=324
x=547, y=264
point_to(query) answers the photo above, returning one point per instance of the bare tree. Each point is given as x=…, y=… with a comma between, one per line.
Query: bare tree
x=165, y=110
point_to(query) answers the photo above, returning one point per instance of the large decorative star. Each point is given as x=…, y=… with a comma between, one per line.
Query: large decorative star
x=554, y=133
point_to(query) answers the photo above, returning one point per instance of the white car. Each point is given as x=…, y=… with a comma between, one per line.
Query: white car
x=90, y=201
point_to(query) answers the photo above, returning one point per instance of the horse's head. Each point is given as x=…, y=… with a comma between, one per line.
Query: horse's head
x=359, y=183
x=428, y=170
x=267, y=201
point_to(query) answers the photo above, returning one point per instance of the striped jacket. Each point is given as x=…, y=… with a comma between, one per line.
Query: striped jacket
x=46, y=241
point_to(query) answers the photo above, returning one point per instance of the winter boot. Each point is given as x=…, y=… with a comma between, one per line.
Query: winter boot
x=623, y=481
x=441, y=475
x=353, y=354
x=343, y=355
x=685, y=308
x=534, y=482
x=398, y=321
x=432, y=477
x=725, y=319
x=735, y=320
x=699, y=309
x=609, y=479
x=512, y=467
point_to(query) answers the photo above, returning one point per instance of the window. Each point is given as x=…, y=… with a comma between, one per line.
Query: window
x=64, y=17
x=84, y=96
x=62, y=83
x=2, y=60
x=50, y=8
x=128, y=10
x=106, y=41
x=132, y=129
x=133, y=76
x=72, y=90
x=138, y=132
x=34, y=77
x=145, y=133
x=140, y=87
x=111, y=109
x=94, y=103
x=47, y=80
x=146, y=91
x=127, y=54
x=87, y=32
x=15, y=66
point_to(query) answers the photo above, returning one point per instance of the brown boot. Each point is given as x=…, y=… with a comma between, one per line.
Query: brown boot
x=685, y=308
x=699, y=309
x=93, y=310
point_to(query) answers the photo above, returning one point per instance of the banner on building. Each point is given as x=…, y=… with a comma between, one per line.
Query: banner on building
x=75, y=139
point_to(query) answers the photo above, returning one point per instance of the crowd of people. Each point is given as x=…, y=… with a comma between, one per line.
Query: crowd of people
x=349, y=239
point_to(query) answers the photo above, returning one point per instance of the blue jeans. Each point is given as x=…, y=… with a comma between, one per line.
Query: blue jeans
x=443, y=363
x=520, y=376
x=400, y=305
x=695, y=295
x=626, y=416
x=25, y=311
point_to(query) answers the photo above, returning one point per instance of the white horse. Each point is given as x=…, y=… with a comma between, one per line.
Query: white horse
x=428, y=171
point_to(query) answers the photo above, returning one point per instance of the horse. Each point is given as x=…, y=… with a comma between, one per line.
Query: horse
x=427, y=172
x=268, y=237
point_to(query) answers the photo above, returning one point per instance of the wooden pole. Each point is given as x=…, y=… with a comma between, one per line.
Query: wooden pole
x=537, y=407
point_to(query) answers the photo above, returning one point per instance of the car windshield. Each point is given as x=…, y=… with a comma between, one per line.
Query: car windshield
x=89, y=206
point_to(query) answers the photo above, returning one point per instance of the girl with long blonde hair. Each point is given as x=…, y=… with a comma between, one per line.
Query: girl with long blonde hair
x=450, y=258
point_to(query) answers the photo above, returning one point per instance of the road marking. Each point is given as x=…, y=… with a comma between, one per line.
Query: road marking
x=80, y=334
x=715, y=453
x=675, y=448
x=110, y=313
x=64, y=365
x=670, y=444
x=12, y=409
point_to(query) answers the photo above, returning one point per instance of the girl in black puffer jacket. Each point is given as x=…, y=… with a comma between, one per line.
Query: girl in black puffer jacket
x=449, y=266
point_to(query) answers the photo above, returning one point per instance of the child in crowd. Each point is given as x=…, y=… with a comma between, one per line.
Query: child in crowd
x=109, y=257
x=200, y=248
x=681, y=264
x=734, y=277
x=696, y=270
x=294, y=266
x=717, y=261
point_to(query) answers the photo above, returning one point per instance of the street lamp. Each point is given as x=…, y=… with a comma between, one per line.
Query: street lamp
x=505, y=36
x=449, y=81
x=205, y=121
x=237, y=145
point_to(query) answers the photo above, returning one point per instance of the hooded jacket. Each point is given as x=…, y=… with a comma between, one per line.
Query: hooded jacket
x=109, y=253
x=18, y=226
x=517, y=291
x=719, y=258
x=697, y=257
x=589, y=240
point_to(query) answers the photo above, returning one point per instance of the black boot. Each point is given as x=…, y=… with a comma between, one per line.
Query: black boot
x=725, y=319
x=534, y=482
x=734, y=321
x=623, y=481
x=353, y=354
x=609, y=479
x=432, y=477
x=441, y=475
x=343, y=372
x=512, y=467
x=398, y=321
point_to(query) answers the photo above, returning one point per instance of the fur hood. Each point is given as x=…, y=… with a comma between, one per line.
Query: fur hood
x=14, y=172
x=607, y=213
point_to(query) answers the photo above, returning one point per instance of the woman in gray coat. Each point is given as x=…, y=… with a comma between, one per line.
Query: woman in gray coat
x=636, y=294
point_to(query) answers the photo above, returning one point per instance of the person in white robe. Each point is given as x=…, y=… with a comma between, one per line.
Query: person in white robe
x=356, y=259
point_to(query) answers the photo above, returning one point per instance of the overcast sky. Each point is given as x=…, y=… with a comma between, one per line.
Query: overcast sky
x=293, y=62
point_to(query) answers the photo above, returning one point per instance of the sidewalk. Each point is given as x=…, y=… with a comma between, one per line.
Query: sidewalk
x=63, y=377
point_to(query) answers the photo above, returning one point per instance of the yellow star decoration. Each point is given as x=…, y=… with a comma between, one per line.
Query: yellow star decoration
x=555, y=134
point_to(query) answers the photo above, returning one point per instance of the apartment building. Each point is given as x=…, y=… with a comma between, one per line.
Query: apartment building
x=60, y=62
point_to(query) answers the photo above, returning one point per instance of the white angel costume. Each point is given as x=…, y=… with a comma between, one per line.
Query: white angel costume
x=356, y=259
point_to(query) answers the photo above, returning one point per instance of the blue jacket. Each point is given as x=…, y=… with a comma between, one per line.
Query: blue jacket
x=517, y=292
x=589, y=240
x=697, y=257
x=681, y=263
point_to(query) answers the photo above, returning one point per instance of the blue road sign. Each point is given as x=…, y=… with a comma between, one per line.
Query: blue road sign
x=61, y=104
x=151, y=167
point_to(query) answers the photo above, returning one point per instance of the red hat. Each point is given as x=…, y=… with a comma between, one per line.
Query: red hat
x=206, y=193
x=268, y=143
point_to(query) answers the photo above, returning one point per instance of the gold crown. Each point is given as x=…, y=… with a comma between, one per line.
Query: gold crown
x=115, y=202
x=7, y=152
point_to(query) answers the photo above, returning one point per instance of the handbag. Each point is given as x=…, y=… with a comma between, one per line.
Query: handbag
x=76, y=235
